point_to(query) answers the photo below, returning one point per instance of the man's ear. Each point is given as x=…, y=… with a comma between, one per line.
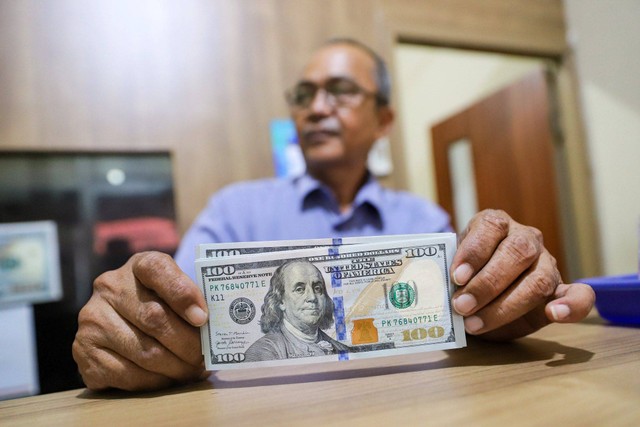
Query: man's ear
x=386, y=115
x=281, y=306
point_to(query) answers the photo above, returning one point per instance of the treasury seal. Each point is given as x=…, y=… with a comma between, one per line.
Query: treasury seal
x=242, y=310
x=402, y=295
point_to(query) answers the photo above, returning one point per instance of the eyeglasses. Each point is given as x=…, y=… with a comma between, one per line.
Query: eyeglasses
x=339, y=91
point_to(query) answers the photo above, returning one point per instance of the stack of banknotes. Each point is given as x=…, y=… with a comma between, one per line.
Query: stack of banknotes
x=285, y=302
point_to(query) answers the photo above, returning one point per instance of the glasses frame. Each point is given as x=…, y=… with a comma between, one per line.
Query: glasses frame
x=332, y=100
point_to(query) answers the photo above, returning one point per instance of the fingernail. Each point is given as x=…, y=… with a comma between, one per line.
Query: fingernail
x=462, y=274
x=196, y=315
x=464, y=303
x=560, y=312
x=473, y=324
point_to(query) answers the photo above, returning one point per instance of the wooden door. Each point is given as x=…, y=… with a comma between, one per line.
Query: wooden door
x=513, y=157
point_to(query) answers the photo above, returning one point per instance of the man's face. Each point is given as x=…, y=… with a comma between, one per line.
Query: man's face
x=340, y=135
x=303, y=301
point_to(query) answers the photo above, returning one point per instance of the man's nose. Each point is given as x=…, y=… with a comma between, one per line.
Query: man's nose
x=321, y=103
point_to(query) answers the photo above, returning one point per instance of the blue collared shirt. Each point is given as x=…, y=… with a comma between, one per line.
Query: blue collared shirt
x=304, y=208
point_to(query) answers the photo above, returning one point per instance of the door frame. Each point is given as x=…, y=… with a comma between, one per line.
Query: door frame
x=577, y=204
x=506, y=132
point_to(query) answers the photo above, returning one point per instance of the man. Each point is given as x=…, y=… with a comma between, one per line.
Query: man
x=296, y=309
x=138, y=330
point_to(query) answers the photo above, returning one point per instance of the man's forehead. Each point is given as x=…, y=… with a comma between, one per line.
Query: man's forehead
x=300, y=269
x=340, y=60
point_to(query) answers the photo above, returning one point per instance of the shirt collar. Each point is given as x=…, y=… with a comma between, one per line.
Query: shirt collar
x=370, y=193
x=305, y=185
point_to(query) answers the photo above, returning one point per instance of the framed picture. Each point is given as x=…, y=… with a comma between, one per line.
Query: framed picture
x=29, y=263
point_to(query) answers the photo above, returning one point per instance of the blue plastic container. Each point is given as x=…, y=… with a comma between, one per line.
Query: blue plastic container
x=617, y=297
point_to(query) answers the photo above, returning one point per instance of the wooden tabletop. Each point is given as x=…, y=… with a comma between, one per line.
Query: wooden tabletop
x=564, y=375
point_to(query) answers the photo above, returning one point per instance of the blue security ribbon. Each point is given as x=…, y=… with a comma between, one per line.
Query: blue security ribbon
x=338, y=312
x=338, y=302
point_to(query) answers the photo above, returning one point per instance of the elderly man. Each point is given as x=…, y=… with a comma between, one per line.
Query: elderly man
x=295, y=311
x=139, y=329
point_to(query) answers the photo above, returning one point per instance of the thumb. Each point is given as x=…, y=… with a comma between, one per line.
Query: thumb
x=159, y=272
x=571, y=303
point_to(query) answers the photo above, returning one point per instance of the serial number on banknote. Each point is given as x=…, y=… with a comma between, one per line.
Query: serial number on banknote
x=253, y=284
x=409, y=320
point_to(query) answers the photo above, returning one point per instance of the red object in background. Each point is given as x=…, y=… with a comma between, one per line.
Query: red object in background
x=144, y=233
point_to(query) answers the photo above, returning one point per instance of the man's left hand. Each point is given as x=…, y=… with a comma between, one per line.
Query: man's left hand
x=509, y=285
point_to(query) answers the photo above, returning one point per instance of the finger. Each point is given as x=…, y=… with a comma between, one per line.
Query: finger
x=149, y=314
x=103, y=368
x=572, y=303
x=116, y=334
x=531, y=290
x=522, y=326
x=513, y=256
x=579, y=298
x=479, y=241
x=159, y=272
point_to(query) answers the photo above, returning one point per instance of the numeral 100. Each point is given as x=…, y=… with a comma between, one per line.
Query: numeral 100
x=229, y=357
x=419, y=334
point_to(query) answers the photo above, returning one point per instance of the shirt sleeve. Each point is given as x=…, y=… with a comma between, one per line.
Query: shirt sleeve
x=215, y=224
x=427, y=217
x=437, y=218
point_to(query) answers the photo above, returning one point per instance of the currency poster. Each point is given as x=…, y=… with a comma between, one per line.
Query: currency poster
x=29, y=263
x=329, y=303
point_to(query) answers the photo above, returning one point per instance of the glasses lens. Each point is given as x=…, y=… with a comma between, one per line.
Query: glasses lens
x=340, y=91
x=340, y=87
x=344, y=92
x=302, y=94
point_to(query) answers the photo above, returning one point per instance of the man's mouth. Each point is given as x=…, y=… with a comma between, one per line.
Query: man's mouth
x=319, y=135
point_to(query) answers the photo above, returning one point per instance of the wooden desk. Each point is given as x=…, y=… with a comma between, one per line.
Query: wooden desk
x=572, y=375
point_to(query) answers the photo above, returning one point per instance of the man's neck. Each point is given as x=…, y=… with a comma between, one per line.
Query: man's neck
x=344, y=183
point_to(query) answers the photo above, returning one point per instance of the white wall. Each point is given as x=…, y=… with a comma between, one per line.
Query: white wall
x=604, y=36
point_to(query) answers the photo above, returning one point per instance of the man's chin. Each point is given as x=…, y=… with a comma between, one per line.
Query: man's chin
x=322, y=149
x=323, y=159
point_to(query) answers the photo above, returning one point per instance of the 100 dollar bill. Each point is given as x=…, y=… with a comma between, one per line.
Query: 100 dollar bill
x=344, y=302
x=219, y=250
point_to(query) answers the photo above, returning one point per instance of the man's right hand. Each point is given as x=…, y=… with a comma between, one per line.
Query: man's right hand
x=139, y=329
